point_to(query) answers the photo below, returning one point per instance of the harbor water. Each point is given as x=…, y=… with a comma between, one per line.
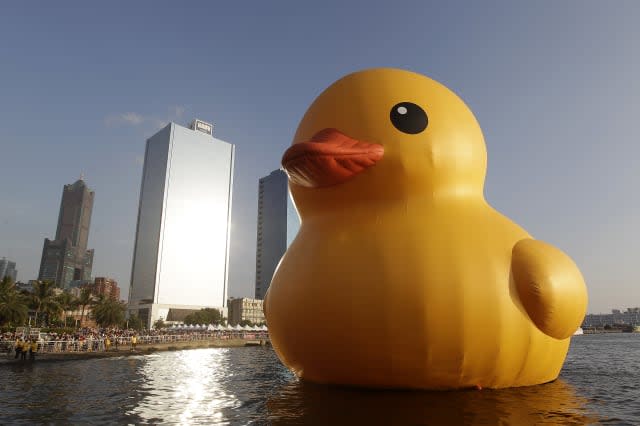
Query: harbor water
x=248, y=385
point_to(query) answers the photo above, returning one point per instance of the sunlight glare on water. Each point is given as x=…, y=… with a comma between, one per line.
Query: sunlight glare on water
x=598, y=385
x=189, y=383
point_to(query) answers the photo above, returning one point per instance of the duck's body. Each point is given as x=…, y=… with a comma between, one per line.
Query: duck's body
x=399, y=288
x=442, y=312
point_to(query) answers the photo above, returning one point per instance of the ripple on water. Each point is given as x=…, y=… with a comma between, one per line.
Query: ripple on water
x=249, y=385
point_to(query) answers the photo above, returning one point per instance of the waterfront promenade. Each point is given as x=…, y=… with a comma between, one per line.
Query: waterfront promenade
x=63, y=349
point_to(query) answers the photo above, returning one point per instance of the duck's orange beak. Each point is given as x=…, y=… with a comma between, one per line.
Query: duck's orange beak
x=329, y=158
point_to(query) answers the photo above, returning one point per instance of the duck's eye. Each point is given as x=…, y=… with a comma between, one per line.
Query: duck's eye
x=408, y=118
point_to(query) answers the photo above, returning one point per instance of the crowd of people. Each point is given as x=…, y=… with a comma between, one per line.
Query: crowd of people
x=19, y=345
x=83, y=340
x=24, y=346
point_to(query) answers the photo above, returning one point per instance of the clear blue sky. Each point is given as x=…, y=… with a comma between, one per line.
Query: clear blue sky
x=554, y=85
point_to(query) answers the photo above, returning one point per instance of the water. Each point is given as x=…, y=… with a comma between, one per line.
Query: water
x=598, y=385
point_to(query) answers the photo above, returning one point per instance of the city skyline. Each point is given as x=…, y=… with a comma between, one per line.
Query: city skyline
x=553, y=88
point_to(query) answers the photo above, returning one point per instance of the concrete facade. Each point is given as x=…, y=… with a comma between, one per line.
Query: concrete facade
x=245, y=309
x=107, y=287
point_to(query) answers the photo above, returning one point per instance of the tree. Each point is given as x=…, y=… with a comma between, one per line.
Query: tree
x=159, y=324
x=67, y=302
x=43, y=299
x=85, y=299
x=134, y=322
x=13, y=307
x=204, y=316
x=108, y=312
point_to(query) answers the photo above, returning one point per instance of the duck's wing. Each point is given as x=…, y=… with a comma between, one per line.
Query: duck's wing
x=550, y=286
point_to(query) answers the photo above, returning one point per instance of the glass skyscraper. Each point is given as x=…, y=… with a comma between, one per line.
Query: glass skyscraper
x=8, y=269
x=181, y=253
x=66, y=258
x=278, y=224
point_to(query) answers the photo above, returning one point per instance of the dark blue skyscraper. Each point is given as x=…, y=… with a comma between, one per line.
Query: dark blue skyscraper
x=278, y=225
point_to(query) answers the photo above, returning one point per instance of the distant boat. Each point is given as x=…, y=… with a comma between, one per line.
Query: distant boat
x=579, y=331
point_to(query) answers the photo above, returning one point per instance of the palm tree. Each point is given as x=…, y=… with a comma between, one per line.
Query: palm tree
x=108, y=312
x=43, y=299
x=67, y=302
x=85, y=299
x=13, y=309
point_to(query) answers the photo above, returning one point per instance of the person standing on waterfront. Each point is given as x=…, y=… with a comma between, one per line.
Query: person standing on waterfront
x=18, y=348
x=33, y=348
x=134, y=342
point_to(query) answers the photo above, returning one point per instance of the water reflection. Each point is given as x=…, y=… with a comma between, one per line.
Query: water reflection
x=250, y=386
x=206, y=386
x=68, y=392
x=186, y=387
x=553, y=403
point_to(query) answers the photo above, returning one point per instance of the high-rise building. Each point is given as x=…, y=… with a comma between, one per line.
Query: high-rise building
x=278, y=224
x=181, y=252
x=66, y=258
x=107, y=287
x=245, y=309
x=8, y=269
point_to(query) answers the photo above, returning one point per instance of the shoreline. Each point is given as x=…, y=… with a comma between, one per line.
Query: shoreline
x=141, y=349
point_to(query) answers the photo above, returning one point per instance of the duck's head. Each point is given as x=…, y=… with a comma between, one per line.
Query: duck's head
x=381, y=135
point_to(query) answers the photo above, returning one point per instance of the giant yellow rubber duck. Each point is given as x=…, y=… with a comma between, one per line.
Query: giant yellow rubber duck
x=402, y=275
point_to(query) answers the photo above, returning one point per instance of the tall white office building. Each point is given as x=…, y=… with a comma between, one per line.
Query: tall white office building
x=181, y=253
x=278, y=224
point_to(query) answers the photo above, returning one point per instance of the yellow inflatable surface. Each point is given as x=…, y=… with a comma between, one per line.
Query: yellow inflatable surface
x=402, y=275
